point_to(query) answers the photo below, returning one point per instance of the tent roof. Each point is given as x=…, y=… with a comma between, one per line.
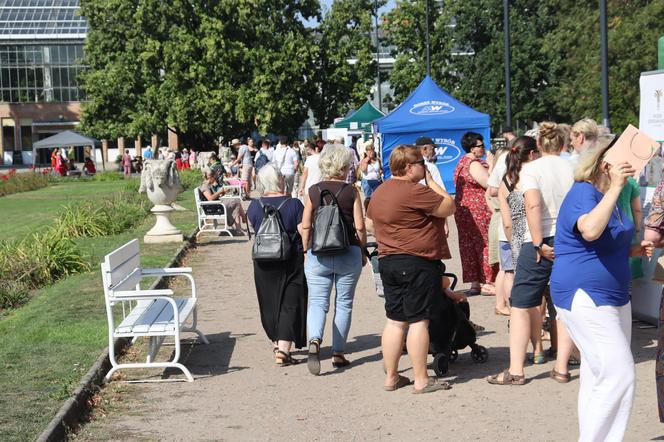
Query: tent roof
x=363, y=117
x=66, y=139
x=429, y=107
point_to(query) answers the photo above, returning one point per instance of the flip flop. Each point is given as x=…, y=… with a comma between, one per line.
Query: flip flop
x=433, y=385
x=401, y=382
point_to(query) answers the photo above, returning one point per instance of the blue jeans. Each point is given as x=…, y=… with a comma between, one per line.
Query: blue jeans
x=322, y=271
x=369, y=187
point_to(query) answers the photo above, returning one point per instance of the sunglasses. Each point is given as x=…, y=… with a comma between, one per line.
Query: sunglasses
x=418, y=162
x=480, y=146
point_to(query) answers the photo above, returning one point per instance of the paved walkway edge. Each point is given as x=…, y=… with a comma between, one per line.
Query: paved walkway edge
x=71, y=411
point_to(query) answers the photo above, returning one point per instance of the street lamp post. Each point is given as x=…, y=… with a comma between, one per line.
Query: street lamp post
x=508, y=56
x=380, y=98
x=426, y=34
x=604, y=55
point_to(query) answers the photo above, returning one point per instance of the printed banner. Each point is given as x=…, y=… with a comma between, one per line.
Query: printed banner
x=651, y=115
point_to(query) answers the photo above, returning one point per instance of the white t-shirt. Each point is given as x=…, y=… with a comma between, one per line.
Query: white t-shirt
x=284, y=158
x=313, y=171
x=435, y=174
x=497, y=174
x=553, y=177
x=373, y=171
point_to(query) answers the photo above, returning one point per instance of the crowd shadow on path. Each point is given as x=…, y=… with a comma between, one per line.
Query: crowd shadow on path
x=209, y=360
x=220, y=240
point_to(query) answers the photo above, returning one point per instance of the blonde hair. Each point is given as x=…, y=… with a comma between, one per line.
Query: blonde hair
x=269, y=179
x=588, y=127
x=402, y=156
x=551, y=137
x=588, y=167
x=334, y=161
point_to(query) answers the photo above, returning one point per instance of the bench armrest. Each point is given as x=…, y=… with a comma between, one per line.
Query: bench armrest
x=142, y=294
x=166, y=271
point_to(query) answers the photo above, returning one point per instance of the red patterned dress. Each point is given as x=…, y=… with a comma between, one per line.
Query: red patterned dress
x=472, y=218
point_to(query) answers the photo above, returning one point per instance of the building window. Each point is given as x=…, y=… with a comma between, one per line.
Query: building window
x=8, y=137
x=26, y=137
x=34, y=73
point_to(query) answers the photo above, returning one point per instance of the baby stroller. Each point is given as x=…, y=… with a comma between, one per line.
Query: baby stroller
x=450, y=329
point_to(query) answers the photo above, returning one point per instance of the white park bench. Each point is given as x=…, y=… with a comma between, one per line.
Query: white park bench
x=211, y=222
x=133, y=312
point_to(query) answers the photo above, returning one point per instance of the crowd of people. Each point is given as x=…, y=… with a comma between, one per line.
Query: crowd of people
x=528, y=216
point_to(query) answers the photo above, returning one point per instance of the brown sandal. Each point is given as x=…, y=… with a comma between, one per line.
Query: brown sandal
x=561, y=378
x=339, y=361
x=284, y=359
x=508, y=378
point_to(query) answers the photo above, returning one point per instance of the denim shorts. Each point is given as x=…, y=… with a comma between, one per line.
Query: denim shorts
x=505, y=256
x=410, y=284
x=531, y=277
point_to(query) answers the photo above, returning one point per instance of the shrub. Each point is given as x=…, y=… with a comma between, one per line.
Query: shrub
x=39, y=259
x=106, y=217
x=13, y=182
x=190, y=178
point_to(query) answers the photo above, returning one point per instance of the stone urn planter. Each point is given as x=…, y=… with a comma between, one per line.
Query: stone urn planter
x=161, y=182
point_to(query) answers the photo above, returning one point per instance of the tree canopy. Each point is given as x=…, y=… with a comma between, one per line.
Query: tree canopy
x=207, y=68
x=555, y=68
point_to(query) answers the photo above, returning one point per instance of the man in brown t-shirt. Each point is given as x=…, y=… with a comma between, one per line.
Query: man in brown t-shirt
x=408, y=221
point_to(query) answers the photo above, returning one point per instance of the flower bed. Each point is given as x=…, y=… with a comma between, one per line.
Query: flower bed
x=13, y=182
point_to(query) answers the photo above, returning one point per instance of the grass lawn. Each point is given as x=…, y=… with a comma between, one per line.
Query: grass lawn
x=48, y=344
x=24, y=212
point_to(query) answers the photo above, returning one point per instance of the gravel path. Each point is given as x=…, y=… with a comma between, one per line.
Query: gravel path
x=239, y=394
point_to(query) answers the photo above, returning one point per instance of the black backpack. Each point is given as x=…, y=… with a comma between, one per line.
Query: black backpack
x=272, y=242
x=261, y=161
x=331, y=231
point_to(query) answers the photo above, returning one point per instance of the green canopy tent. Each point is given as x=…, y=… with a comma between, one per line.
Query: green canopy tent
x=360, y=120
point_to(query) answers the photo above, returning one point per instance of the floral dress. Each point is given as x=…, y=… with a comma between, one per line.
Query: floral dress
x=655, y=221
x=472, y=218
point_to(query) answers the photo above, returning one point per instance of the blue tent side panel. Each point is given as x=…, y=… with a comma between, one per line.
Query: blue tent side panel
x=448, y=150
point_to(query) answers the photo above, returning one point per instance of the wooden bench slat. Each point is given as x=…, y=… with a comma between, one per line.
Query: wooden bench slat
x=120, y=272
x=130, y=282
x=129, y=321
x=122, y=254
x=142, y=324
x=185, y=307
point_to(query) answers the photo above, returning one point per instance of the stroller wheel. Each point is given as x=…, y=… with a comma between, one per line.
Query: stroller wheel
x=479, y=354
x=454, y=355
x=440, y=364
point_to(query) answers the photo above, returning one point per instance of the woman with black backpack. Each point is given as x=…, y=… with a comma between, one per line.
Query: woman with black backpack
x=280, y=283
x=333, y=235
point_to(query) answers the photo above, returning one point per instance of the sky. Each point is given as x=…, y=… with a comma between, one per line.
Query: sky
x=327, y=4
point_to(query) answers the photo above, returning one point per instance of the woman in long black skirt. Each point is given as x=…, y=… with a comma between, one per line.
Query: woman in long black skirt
x=281, y=286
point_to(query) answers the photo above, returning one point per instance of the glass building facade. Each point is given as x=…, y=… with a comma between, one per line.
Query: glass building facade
x=41, y=51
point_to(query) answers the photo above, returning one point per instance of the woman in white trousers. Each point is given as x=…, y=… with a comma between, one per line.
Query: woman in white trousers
x=594, y=235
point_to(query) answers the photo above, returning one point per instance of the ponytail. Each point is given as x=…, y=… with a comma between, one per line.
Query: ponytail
x=518, y=155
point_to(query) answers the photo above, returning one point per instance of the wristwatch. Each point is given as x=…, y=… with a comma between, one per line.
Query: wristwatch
x=538, y=247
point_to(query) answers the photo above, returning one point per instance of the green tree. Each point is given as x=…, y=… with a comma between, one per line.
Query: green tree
x=343, y=34
x=204, y=68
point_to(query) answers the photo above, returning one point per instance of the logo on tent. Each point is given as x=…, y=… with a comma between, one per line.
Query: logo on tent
x=431, y=107
x=446, y=150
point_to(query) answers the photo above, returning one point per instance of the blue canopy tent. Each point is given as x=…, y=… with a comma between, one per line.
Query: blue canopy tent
x=429, y=111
